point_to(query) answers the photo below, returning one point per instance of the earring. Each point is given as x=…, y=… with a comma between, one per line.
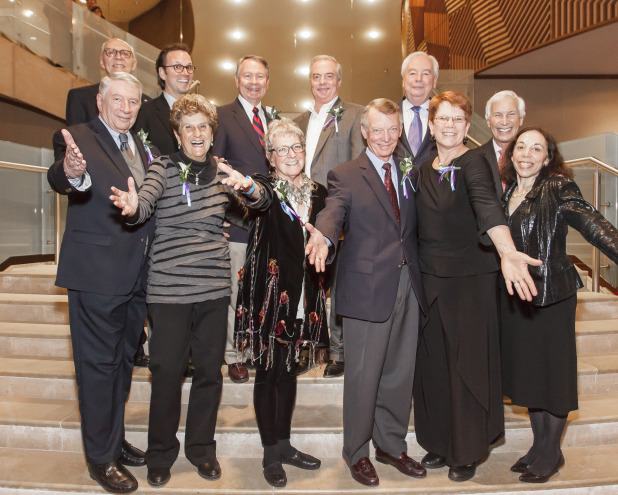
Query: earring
x=465, y=140
x=432, y=138
x=178, y=145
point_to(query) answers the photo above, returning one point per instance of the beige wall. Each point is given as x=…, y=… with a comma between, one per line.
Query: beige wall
x=568, y=108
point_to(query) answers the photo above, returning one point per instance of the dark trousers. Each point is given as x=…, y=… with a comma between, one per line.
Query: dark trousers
x=274, y=394
x=180, y=330
x=105, y=332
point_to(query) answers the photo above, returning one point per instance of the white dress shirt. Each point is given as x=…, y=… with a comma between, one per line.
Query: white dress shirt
x=317, y=121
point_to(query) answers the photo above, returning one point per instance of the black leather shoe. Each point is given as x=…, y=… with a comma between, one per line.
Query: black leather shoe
x=209, y=470
x=333, y=369
x=113, y=477
x=131, y=456
x=274, y=474
x=462, y=473
x=301, y=460
x=303, y=366
x=402, y=462
x=519, y=467
x=433, y=461
x=142, y=360
x=530, y=477
x=158, y=477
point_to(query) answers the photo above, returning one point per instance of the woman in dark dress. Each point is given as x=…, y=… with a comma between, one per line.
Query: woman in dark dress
x=539, y=359
x=281, y=299
x=458, y=409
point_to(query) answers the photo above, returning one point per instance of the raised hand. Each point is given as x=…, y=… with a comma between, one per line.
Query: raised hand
x=74, y=163
x=317, y=248
x=235, y=179
x=126, y=201
x=516, y=275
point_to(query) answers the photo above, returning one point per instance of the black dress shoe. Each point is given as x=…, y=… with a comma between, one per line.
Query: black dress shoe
x=158, y=477
x=131, y=456
x=433, y=461
x=462, y=473
x=403, y=463
x=301, y=460
x=333, y=369
x=113, y=477
x=274, y=474
x=302, y=366
x=530, y=477
x=142, y=360
x=209, y=470
x=519, y=467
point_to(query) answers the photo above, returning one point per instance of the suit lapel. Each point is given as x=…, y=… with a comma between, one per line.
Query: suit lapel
x=247, y=127
x=325, y=134
x=163, y=112
x=108, y=145
x=374, y=180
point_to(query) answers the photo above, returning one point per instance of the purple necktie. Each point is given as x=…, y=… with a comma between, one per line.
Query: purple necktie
x=415, y=133
x=390, y=189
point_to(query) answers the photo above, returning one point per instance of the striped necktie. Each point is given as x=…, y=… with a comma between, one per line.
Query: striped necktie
x=257, y=125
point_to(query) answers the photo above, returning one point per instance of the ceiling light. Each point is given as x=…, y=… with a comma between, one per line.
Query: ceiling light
x=303, y=71
x=237, y=34
x=33, y=38
x=227, y=65
x=373, y=34
x=28, y=13
x=307, y=104
x=305, y=34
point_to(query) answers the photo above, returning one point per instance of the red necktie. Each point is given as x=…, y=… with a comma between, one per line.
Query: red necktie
x=390, y=189
x=257, y=125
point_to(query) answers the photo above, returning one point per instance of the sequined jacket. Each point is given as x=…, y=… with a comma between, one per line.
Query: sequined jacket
x=550, y=207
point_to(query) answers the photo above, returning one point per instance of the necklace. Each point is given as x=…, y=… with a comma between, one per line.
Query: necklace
x=197, y=176
x=521, y=193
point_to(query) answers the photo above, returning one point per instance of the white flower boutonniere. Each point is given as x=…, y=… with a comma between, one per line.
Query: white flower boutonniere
x=336, y=113
x=272, y=113
x=184, y=172
x=406, y=166
x=143, y=136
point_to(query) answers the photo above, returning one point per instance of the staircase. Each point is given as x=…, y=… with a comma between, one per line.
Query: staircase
x=40, y=441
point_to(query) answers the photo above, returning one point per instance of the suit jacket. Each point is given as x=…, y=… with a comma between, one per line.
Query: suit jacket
x=238, y=143
x=82, y=104
x=375, y=243
x=335, y=148
x=154, y=118
x=99, y=252
x=427, y=150
x=489, y=152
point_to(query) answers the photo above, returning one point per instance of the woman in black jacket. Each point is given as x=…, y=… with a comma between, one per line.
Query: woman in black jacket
x=539, y=359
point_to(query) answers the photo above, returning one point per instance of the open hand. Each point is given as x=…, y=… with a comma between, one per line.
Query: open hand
x=74, y=163
x=126, y=201
x=317, y=248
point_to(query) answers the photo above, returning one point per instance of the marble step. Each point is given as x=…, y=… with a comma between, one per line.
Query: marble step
x=34, y=308
x=587, y=471
x=54, y=425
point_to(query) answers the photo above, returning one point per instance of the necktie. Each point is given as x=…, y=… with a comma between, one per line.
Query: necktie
x=415, y=133
x=390, y=189
x=501, y=165
x=257, y=125
x=124, y=145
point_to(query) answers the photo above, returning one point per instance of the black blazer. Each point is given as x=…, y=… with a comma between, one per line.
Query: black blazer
x=238, y=143
x=154, y=118
x=427, y=150
x=99, y=252
x=82, y=104
x=488, y=151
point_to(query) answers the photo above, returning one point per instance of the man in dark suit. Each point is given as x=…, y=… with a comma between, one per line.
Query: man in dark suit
x=333, y=136
x=116, y=56
x=504, y=113
x=379, y=294
x=420, y=76
x=103, y=264
x=240, y=140
x=175, y=75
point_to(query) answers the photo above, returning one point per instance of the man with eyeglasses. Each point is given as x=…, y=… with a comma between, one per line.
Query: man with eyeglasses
x=240, y=140
x=379, y=295
x=175, y=75
x=333, y=131
x=116, y=56
x=419, y=73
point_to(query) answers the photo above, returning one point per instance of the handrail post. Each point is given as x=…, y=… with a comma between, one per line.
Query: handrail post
x=57, y=247
x=596, y=256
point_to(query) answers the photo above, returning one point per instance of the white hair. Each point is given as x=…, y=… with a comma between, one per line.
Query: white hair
x=501, y=95
x=326, y=57
x=119, y=76
x=433, y=59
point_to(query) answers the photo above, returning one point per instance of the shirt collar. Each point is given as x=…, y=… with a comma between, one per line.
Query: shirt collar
x=116, y=135
x=325, y=108
x=424, y=106
x=169, y=98
x=248, y=106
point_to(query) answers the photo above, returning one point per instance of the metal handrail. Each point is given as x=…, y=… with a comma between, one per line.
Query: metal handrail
x=596, y=202
x=23, y=166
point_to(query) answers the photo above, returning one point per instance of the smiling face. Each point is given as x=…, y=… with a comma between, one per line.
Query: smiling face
x=287, y=167
x=504, y=121
x=530, y=155
x=116, y=63
x=119, y=107
x=382, y=133
x=194, y=135
x=177, y=84
x=449, y=133
x=419, y=80
x=252, y=81
x=324, y=81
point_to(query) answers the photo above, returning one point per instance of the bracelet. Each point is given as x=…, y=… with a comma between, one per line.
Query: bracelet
x=250, y=190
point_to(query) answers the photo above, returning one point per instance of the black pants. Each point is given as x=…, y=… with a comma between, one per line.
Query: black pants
x=180, y=330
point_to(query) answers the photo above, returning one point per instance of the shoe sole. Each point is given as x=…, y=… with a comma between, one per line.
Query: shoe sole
x=301, y=467
x=389, y=463
x=157, y=485
x=209, y=478
x=129, y=490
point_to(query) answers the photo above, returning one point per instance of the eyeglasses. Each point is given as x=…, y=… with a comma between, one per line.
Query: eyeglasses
x=112, y=52
x=284, y=150
x=443, y=119
x=179, y=68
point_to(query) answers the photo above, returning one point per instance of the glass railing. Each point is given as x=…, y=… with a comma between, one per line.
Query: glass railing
x=70, y=36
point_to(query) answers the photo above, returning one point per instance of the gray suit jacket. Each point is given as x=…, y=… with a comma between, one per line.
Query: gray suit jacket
x=335, y=148
x=488, y=151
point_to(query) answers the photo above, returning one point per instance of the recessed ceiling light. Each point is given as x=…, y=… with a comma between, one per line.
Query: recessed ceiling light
x=305, y=34
x=237, y=34
x=28, y=13
x=373, y=34
x=227, y=65
x=303, y=71
x=33, y=38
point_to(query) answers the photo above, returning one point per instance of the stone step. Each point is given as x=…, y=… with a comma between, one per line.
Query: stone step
x=587, y=471
x=596, y=306
x=34, y=308
x=46, y=424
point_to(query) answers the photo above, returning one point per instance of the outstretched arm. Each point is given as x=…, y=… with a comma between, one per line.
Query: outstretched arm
x=74, y=163
x=317, y=248
x=239, y=182
x=126, y=201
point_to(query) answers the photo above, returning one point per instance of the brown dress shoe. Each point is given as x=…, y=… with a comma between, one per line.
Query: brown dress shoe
x=113, y=477
x=238, y=372
x=364, y=472
x=403, y=463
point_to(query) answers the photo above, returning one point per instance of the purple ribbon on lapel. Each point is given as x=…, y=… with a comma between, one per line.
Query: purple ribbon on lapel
x=289, y=212
x=185, y=192
x=445, y=170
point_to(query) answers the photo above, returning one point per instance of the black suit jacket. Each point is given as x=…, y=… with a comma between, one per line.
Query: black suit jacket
x=82, y=104
x=238, y=143
x=427, y=150
x=487, y=150
x=154, y=118
x=99, y=252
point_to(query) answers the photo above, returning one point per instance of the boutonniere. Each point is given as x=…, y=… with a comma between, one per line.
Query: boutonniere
x=448, y=172
x=336, y=114
x=272, y=113
x=406, y=166
x=184, y=172
x=143, y=136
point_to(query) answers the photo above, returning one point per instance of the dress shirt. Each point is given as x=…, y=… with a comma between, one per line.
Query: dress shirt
x=248, y=107
x=169, y=98
x=378, y=164
x=317, y=120
x=408, y=115
x=497, y=150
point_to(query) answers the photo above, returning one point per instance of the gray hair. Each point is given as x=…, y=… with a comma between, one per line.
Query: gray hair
x=501, y=95
x=326, y=57
x=117, y=39
x=257, y=58
x=281, y=126
x=433, y=59
x=382, y=105
x=119, y=76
